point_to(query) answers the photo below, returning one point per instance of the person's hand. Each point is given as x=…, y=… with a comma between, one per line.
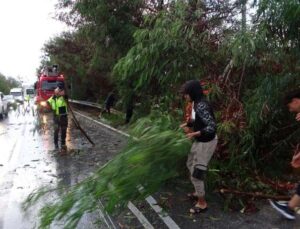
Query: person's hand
x=298, y=117
x=183, y=125
x=296, y=160
x=192, y=134
x=187, y=130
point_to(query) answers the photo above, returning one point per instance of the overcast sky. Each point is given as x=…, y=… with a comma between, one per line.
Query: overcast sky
x=25, y=25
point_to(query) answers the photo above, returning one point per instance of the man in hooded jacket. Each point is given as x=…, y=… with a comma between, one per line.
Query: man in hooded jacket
x=202, y=131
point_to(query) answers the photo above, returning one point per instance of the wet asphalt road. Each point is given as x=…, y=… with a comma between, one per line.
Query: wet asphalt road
x=28, y=160
x=24, y=167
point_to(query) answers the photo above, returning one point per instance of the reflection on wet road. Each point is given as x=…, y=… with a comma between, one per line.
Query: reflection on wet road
x=24, y=166
x=28, y=161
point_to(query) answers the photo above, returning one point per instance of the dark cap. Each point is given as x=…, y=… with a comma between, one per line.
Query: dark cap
x=61, y=85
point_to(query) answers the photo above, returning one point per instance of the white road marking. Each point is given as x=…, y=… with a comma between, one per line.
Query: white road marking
x=102, y=124
x=104, y=215
x=163, y=215
x=139, y=215
x=151, y=201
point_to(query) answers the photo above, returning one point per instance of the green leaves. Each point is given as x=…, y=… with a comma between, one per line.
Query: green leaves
x=7, y=83
x=167, y=51
x=266, y=115
x=150, y=161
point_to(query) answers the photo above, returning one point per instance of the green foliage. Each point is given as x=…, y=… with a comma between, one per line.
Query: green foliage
x=148, y=161
x=266, y=115
x=168, y=50
x=226, y=128
x=215, y=93
x=243, y=47
x=150, y=51
x=282, y=19
x=112, y=119
x=7, y=83
x=279, y=22
x=114, y=20
x=103, y=32
x=265, y=60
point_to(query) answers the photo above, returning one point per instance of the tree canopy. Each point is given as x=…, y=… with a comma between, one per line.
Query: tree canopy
x=7, y=83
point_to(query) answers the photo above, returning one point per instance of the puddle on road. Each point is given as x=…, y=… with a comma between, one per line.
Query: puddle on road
x=38, y=164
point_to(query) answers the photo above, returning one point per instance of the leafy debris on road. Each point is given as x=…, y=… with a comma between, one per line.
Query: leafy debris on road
x=149, y=161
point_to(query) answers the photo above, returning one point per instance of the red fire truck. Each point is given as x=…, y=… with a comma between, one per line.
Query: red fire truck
x=47, y=82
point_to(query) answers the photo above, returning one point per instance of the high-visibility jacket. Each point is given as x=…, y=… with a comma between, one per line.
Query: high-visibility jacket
x=58, y=105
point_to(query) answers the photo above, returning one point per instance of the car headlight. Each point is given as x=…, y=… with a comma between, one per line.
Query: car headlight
x=43, y=103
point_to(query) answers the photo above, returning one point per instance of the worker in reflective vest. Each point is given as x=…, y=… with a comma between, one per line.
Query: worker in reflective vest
x=58, y=103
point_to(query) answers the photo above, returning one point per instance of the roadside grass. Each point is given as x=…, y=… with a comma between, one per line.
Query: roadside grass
x=113, y=119
x=116, y=119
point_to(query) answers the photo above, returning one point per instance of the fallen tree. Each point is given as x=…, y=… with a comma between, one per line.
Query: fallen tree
x=147, y=162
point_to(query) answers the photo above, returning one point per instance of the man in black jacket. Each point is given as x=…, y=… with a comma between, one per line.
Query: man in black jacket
x=203, y=131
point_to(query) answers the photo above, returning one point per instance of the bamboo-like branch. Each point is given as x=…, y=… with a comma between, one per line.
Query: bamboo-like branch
x=242, y=78
x=227, y=71
x=78, y=125
x=75, y=119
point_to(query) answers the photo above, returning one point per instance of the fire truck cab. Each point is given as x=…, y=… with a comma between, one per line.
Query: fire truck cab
x=46, y=84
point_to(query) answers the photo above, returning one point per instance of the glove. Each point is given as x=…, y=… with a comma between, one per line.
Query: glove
x=66, y=97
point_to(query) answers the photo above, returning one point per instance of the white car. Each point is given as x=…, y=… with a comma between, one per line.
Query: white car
x=10, y=100
x=3, y=106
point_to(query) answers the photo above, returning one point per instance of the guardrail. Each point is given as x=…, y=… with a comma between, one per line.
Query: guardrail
x=92, y=104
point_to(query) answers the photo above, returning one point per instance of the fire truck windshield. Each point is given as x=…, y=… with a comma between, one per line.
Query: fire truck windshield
x=30, y=91
x=49, y=85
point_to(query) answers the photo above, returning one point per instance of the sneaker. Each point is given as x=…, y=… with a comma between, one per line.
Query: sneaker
x=283, y=209
x=282, y=203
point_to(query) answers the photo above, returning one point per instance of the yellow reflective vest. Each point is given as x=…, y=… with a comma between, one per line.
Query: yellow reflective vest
x=58, y=105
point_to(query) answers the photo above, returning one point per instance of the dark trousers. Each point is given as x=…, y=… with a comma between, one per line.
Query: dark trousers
x=107, y=108
x=298, y=190
x=129, y=112
x=60, y=124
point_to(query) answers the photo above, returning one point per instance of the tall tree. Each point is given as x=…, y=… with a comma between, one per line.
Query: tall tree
x=6, y=83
